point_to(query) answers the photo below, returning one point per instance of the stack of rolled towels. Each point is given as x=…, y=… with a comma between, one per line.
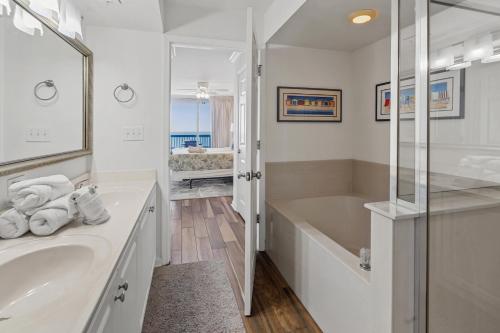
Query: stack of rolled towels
x=44, y=205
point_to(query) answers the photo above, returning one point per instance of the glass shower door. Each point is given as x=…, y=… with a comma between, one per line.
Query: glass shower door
x=463, y=229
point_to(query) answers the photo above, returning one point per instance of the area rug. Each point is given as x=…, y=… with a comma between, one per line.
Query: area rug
x=202, y=188
x=195, y=297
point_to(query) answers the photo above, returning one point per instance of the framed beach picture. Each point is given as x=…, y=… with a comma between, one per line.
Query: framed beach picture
x=446, y=97
x=383, y=101
x=309, y=105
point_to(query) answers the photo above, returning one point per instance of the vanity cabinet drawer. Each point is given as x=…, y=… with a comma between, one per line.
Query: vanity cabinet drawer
x=117, y=311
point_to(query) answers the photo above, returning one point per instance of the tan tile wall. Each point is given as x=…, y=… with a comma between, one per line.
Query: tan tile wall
x=306, y=179
x=292, y=180
x=371, y=179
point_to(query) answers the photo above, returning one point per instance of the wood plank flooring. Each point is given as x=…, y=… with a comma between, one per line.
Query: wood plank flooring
x=209, y=229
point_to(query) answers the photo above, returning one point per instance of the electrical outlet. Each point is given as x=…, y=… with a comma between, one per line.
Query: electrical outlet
x=133, y=133
x=37, y=134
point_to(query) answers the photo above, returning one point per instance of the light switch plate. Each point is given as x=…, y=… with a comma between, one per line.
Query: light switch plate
x=37, y=134
x=133, y=133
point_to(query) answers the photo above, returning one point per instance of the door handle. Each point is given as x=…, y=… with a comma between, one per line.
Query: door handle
x=120, y=298
x=246, y=175
x=250, y=175
x=123, y=286
x=257, y=175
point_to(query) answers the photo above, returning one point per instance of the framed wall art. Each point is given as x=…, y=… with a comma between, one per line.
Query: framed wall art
x=309, y=104
x=446, y=97
x=383, y=101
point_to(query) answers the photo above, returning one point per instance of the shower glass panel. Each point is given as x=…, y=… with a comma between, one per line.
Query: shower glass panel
x=464, y=167
x=406, y=101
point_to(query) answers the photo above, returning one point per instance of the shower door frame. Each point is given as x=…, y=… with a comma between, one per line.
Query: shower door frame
x=421, y=162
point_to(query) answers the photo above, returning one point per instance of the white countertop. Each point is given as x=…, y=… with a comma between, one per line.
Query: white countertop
x=72, y=311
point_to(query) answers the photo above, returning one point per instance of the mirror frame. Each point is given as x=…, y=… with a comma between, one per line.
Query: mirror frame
x=7, y=168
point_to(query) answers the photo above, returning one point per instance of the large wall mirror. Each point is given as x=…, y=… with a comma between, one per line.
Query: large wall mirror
x=45, y=92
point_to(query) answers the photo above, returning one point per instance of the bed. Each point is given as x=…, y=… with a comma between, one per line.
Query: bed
x=213, y=163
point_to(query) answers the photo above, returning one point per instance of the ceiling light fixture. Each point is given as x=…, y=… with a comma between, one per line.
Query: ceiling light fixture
x=363, y=16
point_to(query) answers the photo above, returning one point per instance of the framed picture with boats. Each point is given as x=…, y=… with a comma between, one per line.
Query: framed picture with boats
x=309, y=104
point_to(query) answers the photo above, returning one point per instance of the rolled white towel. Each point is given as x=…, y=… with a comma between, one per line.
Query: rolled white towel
x=30, y=194
x=52, y=216
x=90, y=206
x=13, y=224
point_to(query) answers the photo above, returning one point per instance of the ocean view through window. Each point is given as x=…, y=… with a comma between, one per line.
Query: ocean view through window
x=190, y=123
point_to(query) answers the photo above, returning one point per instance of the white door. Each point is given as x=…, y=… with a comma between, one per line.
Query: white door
x=241, y=152
x=252, y=176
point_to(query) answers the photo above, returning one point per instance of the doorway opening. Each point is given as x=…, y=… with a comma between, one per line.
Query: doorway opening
x=203, y=121
x=206, y=144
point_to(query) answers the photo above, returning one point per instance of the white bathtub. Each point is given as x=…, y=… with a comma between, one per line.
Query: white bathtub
x=314, y=242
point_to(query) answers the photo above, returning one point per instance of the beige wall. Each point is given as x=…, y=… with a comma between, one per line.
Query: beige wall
x=312, y=68
x=307, y=179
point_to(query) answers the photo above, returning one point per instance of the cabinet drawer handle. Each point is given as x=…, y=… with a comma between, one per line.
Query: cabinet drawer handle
x=152, y=209
x=123, y=286
x=120, y=298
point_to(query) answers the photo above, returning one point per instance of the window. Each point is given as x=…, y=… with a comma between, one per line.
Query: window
x=190, y=122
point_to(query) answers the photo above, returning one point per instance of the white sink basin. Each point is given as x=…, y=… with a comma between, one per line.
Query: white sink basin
x=38, y=278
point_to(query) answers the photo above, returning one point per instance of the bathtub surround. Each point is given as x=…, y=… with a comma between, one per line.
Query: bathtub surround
x=309, y=179
x=311, y=208
x=327, y=278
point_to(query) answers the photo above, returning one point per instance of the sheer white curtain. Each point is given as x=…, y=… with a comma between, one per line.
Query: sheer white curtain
x=222, y=109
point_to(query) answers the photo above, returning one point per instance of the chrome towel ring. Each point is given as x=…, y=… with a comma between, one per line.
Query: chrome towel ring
x=48, y=84
x=124, y=87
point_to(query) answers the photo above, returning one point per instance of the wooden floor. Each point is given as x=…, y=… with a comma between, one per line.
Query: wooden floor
x=209, y=229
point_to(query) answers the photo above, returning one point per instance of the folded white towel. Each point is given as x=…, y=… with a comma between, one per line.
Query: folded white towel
x=90, y=206
x=30, y=194
x=52, y=216
x=13, y=224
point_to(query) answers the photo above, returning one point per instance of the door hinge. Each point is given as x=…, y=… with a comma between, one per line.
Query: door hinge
x=259, y=70
x=258, y=218
x=258, y=144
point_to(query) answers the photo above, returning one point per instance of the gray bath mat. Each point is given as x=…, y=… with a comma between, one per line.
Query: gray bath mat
x=195, y=297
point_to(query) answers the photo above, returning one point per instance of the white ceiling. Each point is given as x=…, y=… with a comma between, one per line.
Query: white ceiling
x=220, y=4
x=212, y=65
x=324, y=24
x=178, y=13
x=130, y=14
